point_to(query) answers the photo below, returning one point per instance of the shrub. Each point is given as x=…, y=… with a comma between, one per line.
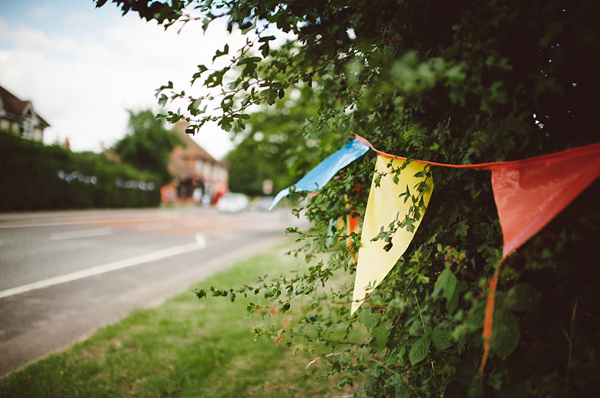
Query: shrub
x=37, y=177
x=454, y=82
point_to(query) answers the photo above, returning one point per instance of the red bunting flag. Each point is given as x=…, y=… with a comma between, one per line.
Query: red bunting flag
x=531, y=192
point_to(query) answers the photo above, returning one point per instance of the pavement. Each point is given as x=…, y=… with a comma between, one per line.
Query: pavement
x=45, y=320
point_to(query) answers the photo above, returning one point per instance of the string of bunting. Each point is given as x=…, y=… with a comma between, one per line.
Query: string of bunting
x=528, y=194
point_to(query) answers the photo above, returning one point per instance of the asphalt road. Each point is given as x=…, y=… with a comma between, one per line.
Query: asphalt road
x=65, y=274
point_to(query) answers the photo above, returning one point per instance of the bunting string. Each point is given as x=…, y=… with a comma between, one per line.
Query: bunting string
x=588, y=150
x=528, y=194
x=488, y=321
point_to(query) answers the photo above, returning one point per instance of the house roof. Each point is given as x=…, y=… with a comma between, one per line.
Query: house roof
x=179, y=164
x=193, y=150
x=16, y=108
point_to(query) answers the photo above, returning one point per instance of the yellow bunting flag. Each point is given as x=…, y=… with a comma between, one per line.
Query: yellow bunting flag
x=389, y=202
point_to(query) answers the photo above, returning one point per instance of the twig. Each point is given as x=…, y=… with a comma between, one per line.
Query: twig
x=317, y=358
x=404, y=378
x=421, y=315
x=570, y=341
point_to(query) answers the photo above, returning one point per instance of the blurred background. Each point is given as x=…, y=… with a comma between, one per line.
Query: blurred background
x=104, y=207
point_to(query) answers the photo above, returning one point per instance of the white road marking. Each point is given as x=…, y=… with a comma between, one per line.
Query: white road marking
x=196, y=223
x=201, y=240
x=70, y=221
x=36, y=224
x=87, y=233
x=153, y=226
x=102, y=269
x=27, y=224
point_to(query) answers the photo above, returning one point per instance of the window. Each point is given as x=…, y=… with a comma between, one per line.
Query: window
x=199, y=165
x=26, y=128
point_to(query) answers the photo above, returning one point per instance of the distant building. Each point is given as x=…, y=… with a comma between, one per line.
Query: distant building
x=19, y=117
x=199, y=178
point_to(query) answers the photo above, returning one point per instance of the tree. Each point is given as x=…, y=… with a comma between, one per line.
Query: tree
x=147, y=144
x=274, y=145
x=455, y=82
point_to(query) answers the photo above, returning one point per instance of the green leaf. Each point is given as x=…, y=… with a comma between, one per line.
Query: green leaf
x=271, y=96
x=371, y=386
x=462, y=228
x=264, y=50
x=220, y=53
x=441, y=336
x=401, y=352
x=505, y=334
x=193, y=107
x=225, y=123
x=446, y=282
x=336, y=367
x=453, y=302
x=266, y=39
x=370, y=319
x=419, y=350
x=201, y=70
x=248, y=60
x=162, y=100
x=380, y=335
x=476, y=317
x=495, y=380
x=476, y=388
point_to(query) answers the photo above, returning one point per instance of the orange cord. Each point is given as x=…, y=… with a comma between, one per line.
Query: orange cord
x=489, y=317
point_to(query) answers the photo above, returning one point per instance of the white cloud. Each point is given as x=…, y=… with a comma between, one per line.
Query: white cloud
x=24, y=37
x=82, y=83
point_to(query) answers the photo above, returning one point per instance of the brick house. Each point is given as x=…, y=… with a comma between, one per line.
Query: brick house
x=198, y=176
x=19, y=117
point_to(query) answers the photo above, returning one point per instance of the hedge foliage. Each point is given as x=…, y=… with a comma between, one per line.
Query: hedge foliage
x=36, y=177
x=454, y=82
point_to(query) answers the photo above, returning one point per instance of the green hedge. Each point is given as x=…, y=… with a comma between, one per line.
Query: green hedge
x=37, y=177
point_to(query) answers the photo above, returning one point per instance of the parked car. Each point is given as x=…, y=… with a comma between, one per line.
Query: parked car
x=264, y=203
x=232, y=203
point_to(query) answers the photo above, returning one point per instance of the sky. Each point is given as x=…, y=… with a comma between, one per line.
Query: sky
x=83, y=67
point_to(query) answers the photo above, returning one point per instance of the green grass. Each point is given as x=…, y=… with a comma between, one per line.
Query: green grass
x=183, y=348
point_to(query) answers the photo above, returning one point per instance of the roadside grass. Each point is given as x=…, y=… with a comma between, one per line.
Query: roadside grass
x=183, y=348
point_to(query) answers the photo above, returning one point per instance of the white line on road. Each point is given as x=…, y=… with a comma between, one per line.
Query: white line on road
x=102, y=269
x=38, y=224
x=201, y=240
x=88, y=233
x=153, y=227
x=74, y=221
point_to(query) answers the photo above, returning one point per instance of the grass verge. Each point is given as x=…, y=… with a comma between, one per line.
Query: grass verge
x=183, y=348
